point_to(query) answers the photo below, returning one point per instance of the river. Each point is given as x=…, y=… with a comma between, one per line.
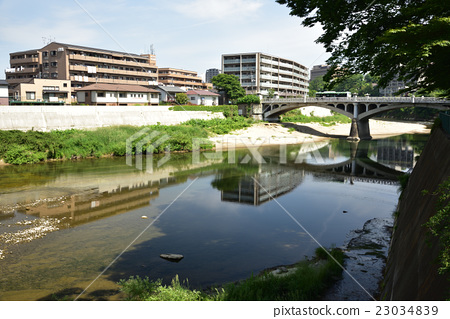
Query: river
x=66, y=226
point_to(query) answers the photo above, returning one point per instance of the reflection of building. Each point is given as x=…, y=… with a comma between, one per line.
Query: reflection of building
x=270, y=183
x=93, y=205
x=261, y=73
x=395, y=154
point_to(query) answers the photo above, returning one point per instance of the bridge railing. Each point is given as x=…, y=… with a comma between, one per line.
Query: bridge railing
x=373, y=99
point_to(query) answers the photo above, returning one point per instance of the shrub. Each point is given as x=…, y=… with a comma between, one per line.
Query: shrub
x=22, y=154
x=144, y=289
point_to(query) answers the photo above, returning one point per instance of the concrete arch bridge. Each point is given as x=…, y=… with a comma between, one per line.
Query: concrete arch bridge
x=359, y=109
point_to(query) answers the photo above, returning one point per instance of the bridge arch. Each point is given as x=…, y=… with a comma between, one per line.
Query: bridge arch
x=384, y=108
x=280, y=109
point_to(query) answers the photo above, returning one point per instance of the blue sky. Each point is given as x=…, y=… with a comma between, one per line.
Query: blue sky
x=185, y=34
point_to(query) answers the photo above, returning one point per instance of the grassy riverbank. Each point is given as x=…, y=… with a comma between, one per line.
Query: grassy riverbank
x=17, y=147
x=297, y=116
x=307, y=280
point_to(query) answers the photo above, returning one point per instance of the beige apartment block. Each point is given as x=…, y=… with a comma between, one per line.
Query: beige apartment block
x=82, y=66
x=182, y=78
x=263, y=73
x=42, y=91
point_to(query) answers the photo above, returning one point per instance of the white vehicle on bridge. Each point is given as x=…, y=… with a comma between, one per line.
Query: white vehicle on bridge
x=333, y=94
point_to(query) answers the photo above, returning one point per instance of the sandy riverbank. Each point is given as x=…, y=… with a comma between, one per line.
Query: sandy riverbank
x=294, y=133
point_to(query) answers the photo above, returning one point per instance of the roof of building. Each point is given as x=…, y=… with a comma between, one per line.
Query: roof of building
x=171, y=89
x=201, y=92
x=80, y=47
x=117, y=88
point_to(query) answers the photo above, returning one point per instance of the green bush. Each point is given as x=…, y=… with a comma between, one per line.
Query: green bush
x=144, y=289
x=18, y=147
x=21, y=154
x=219, y=108
x=307, y=282
x=297, y=117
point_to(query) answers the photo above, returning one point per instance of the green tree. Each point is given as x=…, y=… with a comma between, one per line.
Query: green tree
x=230, y=85
x=181, y=98
x=408, y=39
x=316, y=85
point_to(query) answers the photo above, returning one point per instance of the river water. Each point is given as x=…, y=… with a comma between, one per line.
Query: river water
x=66, y=226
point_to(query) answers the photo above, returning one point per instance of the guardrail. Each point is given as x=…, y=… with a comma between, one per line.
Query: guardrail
x=445, y=119
x=381, y=99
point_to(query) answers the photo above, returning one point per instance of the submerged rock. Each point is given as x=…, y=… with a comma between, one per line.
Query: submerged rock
x=172, y=257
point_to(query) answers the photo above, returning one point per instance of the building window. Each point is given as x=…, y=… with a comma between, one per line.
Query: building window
x=53, y=53
x=192, y=98
x=31, y=95
x=45, y=54
x=46, y=65
x=65, y=85
x=121, y=94
x=54, y=75
x=54, y=64
x=101, y=94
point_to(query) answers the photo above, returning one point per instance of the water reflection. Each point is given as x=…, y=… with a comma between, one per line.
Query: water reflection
x=102, y=201
x=379, y=162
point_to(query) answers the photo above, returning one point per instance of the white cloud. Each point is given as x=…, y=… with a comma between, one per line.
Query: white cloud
x=217, y=9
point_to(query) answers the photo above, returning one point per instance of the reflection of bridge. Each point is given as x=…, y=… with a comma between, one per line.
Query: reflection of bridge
x=277, y=180
x=273, y=180
x=359, y=109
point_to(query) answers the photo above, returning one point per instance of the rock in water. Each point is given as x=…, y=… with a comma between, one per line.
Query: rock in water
x=172, y=257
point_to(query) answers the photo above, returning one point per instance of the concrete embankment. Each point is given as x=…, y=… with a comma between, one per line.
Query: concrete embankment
x=63, y=117
x=412, y=266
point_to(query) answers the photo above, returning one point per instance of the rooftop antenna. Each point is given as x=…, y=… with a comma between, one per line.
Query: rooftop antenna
x=48, y=40
x=152, y=50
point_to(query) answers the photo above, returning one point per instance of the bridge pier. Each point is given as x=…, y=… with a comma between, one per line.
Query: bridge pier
x=359, y=130
x=364, y=129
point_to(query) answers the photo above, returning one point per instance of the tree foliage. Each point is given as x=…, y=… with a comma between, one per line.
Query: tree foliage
x=229, y=84
x=249, y=99
x=357, y=83
x=408, y=39
x=181, y=98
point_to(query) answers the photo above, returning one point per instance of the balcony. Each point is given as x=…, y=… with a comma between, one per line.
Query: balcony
x=231, y=61
x=231, y=69
x=21, y=70
x=82, y=68
x=24, y=60
x=92, y=80
x=79, y=57
x=182, y=83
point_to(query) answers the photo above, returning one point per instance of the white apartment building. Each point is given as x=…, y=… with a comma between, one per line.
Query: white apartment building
x=260, y=72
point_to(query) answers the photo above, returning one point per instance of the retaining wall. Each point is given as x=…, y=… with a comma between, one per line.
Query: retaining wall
x=63, y=117
x=412, y=267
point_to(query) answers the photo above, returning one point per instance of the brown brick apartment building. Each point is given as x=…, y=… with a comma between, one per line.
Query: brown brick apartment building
x=82, y=66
